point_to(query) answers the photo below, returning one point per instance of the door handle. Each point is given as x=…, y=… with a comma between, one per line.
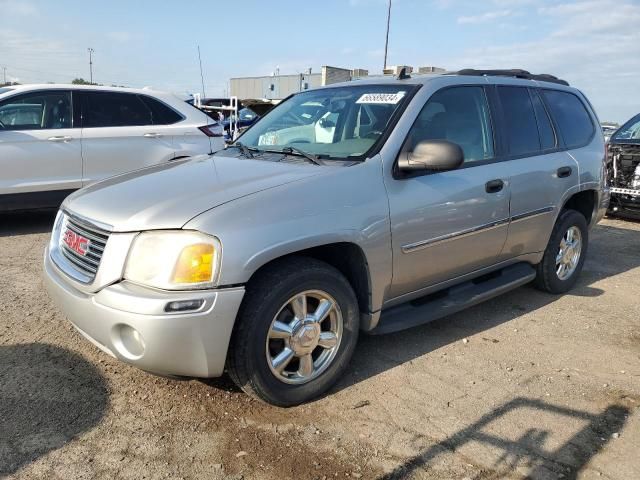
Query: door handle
x=564, y=172
x=152, y=135
x=494, y=186
x=60, y=138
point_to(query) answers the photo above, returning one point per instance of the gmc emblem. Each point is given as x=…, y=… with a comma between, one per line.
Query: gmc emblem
x=76, y=242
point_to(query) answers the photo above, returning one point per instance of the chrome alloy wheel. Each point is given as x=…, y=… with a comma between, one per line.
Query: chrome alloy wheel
x=569, y=252
x=304, y=337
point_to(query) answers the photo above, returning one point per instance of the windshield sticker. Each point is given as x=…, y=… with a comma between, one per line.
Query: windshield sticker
x=387, y=98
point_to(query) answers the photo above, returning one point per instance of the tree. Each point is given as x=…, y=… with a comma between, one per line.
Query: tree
x=81, y=81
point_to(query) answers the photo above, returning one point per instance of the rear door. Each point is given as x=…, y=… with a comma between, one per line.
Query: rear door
x=39, y=148
x=119, y=135
x=543, y=174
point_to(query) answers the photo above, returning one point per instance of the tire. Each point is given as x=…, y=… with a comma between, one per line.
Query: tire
x=252, y=361
x=549, y=277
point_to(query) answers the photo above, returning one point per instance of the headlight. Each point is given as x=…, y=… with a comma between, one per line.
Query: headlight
x=174, y=260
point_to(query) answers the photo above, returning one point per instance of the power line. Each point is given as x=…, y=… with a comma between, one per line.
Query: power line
x=90, y=50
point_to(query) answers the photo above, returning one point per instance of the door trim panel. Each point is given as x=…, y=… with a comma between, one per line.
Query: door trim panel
x=414, y=247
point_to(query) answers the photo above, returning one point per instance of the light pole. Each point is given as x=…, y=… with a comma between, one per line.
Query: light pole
x=386, y=41
x=4, y=75
x=90, y=50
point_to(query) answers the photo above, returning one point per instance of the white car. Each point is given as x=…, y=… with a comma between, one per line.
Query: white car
x=55, y=139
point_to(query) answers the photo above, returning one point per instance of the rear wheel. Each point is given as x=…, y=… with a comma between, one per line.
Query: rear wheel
x=295, y=333
x=565, y=253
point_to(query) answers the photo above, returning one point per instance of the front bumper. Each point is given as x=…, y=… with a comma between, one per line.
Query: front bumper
x=128, y=322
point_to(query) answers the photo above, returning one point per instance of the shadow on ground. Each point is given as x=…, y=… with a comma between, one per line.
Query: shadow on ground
x=48, y=396
x=566, y=461
x=26, y=223
x=377, y=354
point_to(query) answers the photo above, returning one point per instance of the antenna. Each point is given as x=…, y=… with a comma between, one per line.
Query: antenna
x=386, y=41
x=201, y=76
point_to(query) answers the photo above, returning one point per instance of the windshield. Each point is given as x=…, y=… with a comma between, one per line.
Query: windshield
x=5, y=90
x=630, y=130
x=336, y=122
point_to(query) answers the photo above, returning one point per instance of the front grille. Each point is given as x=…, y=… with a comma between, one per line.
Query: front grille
x=88, y=263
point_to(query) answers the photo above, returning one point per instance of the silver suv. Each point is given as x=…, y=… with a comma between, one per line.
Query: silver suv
x=368, y=206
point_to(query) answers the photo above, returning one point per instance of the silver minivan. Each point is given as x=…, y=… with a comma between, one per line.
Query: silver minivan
x=55, y=139
x=369, y=206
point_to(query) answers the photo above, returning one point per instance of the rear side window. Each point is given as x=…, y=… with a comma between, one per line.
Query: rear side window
x=570, y=116
x=520, y=120
x=459, y=115
x=545, y=129
x=161, y=113
x=36, y=111
x=112, y=109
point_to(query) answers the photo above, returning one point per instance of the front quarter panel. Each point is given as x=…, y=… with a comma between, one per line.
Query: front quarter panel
x=343, y=204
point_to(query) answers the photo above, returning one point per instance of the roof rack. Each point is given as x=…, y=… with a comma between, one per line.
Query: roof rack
x=516, y=73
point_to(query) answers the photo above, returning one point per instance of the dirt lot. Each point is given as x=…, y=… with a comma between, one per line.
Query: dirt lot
x=525, y=386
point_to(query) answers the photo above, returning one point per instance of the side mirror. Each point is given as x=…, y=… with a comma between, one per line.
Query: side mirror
x=438, y=155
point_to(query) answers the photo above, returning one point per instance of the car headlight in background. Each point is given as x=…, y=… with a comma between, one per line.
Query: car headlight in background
x=174, y=260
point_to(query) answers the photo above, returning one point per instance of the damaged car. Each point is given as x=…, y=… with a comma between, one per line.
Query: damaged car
x=624, y=169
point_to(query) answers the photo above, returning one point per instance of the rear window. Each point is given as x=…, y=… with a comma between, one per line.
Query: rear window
x=161, y=113
x=571, y=117
x=111, y=109
x=520, y=120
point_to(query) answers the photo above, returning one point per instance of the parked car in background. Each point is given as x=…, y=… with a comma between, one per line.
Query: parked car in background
x=608, y=129
x=372, y=206
x=624, y=169
x=249, y=114
x=55, y=139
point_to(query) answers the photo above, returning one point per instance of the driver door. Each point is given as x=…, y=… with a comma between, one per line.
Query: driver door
x=447, y=224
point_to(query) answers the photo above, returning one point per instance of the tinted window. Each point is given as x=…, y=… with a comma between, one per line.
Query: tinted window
x=109, y=109
x=459, y=115
x=547, y=136
x=570, y=116
x=36, y=111
x=520, y=120
x=161, y=114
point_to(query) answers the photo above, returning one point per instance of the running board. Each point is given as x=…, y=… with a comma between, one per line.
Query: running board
x=453, y=299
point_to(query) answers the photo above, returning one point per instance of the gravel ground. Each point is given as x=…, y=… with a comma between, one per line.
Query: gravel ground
x=528, y=385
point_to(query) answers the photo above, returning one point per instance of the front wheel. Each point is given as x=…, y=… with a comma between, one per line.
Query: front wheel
x=565, y=253
x=295, y=333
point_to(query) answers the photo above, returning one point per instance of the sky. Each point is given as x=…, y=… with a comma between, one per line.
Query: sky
x=594, y=44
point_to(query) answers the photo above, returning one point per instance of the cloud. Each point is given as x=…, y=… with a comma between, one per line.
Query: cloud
x=17, y=7
x=594, y=45
x=484, y=17
x=121, y=37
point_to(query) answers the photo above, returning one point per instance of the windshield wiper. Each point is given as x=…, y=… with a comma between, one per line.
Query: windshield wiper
x=290, y=150
x=246, y=151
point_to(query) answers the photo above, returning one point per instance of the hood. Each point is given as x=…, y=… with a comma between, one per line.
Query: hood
x=168, y=196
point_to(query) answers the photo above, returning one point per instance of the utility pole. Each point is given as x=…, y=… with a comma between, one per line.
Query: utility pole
x=201, y=76
x=4, y=74
x=386, y=41
x=90, y=50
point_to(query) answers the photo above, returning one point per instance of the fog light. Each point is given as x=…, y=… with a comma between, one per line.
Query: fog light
x=128, y=341
x=184, y=305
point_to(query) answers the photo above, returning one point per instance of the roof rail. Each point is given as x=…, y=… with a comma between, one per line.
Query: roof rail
x=516, y=73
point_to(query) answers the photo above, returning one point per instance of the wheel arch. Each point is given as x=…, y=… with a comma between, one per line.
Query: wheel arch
x=346, y=256
x=584, y=202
